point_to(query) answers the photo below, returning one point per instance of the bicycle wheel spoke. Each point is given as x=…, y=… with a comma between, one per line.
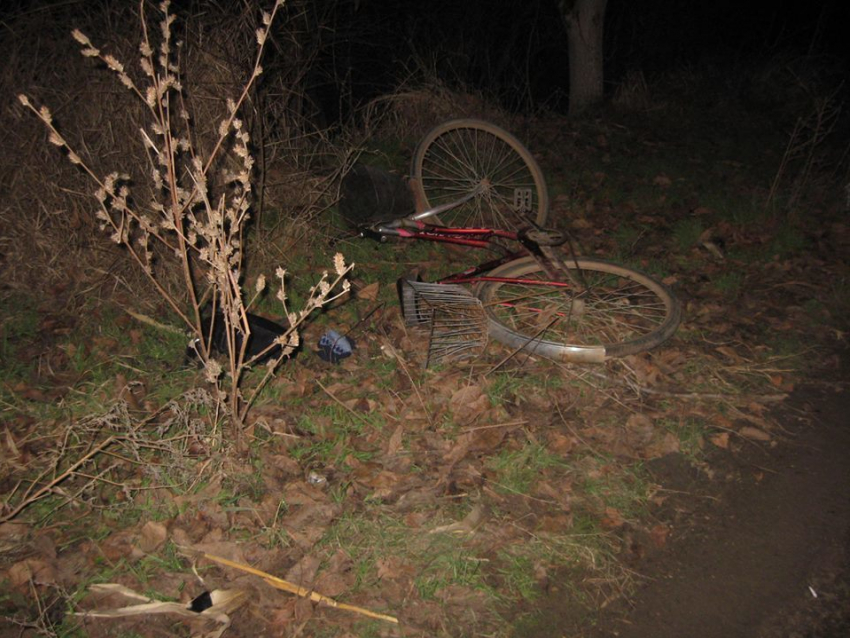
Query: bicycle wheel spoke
x=609, y=307
x=461, y=156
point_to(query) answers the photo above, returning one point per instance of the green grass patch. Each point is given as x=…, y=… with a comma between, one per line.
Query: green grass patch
x=512, y=387
x=516, y=572
x=686, y=233
x=788, y=241
x=729, y=283
x=333, y=429
x=623, y=488
x=691, y=433
x=627, y=238
x=451, y=563
x=516, y=471
x=18, y=328
x=367, y=536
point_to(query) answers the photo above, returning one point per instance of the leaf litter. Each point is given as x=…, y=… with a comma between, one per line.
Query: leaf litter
x=444, y=498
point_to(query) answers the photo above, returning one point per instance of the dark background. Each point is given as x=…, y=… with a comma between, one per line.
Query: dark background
x=517, y=51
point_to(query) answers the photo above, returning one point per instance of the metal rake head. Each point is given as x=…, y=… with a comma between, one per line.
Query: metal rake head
x=455, y=319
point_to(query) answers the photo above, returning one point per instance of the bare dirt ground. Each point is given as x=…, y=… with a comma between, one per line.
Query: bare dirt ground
x=762, y=551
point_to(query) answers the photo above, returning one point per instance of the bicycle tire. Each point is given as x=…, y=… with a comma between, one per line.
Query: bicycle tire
x=457, y=156
x=620, y=311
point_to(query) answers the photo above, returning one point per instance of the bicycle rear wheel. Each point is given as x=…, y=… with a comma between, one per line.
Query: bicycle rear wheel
x=611, y=311
x=458, y=156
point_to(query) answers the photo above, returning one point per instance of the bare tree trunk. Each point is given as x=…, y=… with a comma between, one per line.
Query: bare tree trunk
x=584, y=21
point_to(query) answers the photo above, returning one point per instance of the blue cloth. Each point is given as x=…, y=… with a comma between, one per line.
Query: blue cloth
x=334, y=348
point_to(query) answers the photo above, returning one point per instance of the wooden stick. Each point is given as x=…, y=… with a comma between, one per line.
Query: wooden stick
x=292, y=588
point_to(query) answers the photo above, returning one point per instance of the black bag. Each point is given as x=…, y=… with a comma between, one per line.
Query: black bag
x=263, y=334
x=370, y=194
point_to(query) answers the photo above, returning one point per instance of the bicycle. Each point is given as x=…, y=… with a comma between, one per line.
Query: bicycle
x=473, y=184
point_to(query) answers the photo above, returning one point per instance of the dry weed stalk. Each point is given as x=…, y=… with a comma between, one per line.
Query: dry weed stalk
x=74, y=466
x=198, y=212
x=804, y=143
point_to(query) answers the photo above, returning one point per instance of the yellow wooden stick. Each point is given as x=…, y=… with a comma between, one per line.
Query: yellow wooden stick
x=292, y=588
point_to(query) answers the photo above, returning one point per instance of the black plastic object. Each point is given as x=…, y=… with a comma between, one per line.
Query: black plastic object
x=334, y=348
x=201, y=603
x=372, y=194
x=263, y=334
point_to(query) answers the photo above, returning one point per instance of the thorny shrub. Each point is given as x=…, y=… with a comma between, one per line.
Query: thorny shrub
x=198, y=213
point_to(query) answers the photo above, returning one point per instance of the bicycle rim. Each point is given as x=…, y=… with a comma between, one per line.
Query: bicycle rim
x=613, y=312
x=458, y=156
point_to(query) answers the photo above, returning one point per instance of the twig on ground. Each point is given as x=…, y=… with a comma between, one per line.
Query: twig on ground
x=292, y=588
x=152, y=322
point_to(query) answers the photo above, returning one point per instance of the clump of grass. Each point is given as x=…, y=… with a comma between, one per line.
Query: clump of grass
x=518, y=470
x=687, y=232
x=729, y=283
x=788, y=242
x=626, y=237
x=332, y=429
x=80, y=465
x=18, y=328
x=625, y=489
x=691, y=433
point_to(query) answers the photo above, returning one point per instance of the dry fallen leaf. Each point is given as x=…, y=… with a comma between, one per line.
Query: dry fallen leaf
x=662, y=180
x=754, y=434
x=370, y=292
x=720, y=440
x=468, y=404
x=304, y=571
x=34, y=570
x=394, y=445
x=153, y=535
x=659, y=534
x=612, y=519
x=465, y=527
x=222, y=602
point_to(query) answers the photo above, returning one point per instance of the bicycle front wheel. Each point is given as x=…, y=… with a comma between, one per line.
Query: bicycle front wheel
x=459, y=156
x=608, y=311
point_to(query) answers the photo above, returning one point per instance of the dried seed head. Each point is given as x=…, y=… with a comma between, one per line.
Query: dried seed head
x=150, y=97
x=81, y=37
x=212, y=370
x=113, y=63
